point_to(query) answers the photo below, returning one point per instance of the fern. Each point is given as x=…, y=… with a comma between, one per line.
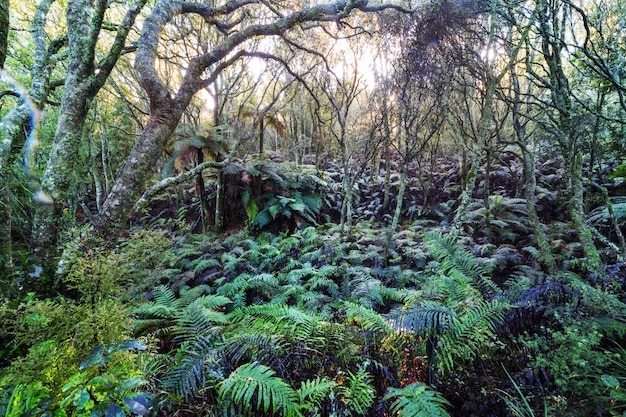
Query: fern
x=196, y=366
x=358, y=394
x=288, y=321
x=201, y=265
x=312, y=393
x=190, y=315
x=367, y=318
x=321, y=282
x=255, y=345
x=459, y=263
x=426, y=319
x=417, y=400
x=255, y=387
x=470, y=333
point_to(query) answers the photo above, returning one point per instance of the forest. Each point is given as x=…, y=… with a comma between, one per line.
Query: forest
x=300, y=208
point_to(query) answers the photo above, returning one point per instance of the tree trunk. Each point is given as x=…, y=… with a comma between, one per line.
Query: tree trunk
x=387, y=135
x=165, y=110
x=137, y=169
x=4, y=30
x=6, y=241
x=577, y=211
x=83, y=80
x=539, y=235
x=530, y=180
x=262, y=138
x=482, y=141
x=398, y=211
x=16, y=125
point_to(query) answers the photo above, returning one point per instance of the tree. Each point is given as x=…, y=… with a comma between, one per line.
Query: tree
x=419, y=87
x=4, y=30
x=237, y=22
x=16, y=126
x=86, y=74
x=554, y=24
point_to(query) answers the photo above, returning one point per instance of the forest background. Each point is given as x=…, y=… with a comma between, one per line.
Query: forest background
x=260, y=207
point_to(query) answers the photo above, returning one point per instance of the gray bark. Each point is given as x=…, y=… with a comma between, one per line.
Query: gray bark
x=15, y=126
x=84, y=79
x=15, y=123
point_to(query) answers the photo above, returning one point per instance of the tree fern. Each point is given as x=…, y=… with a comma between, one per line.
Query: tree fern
x=255, y=387
x=417, y=400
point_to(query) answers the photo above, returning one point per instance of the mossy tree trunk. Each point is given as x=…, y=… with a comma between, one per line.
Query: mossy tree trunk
x=6, y=249
x=84, y=78
x=526, y=144
x=554, y=20
x=16, y=125
x=4, y=30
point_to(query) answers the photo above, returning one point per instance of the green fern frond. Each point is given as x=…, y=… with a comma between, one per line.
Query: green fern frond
x=253, y=345
x=164, y=296
x=458, y=262
x=425, y=319
x=201, y=265
x=367, y=318
x=280, y=319
x=187, y=295
x=188, y=316
x=519, y=280
x=367, y=290
x=316, y=302
x=229, y=261
x=263, y=281
x=417, y=400
x=470, y=333
x=197, y=320
x=235, y=288
x=358, y=394
x=255, y=387
x=211, y=301
x=452, y=256
x=188, y=250
x=320, y=282
x=312, y=393
x=197, y=366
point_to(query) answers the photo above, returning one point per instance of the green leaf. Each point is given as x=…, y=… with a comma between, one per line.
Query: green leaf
x=274, y=210
x=263, y=219
x=417, y=400
x=271, y=391
x=610, y=381
x=139, y=404
x=132, y=383
x=115, y=411
x=81, y=398
x=95, y=358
